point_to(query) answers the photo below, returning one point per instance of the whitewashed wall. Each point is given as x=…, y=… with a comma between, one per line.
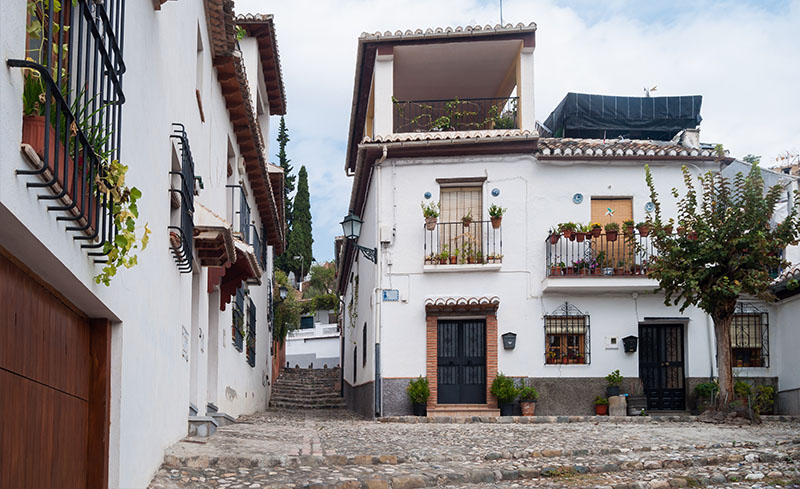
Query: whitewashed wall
x=151, y=302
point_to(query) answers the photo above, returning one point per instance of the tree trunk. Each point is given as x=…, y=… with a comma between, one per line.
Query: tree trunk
x=722, y=333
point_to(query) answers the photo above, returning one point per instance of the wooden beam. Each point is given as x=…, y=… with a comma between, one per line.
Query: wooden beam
x=99, y=403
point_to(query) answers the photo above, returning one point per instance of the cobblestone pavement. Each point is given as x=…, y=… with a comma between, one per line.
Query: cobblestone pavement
x=335, y=449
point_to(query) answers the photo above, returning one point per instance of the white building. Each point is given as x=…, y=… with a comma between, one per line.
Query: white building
x=447, y=117
x=315, y=343
x=107, y=377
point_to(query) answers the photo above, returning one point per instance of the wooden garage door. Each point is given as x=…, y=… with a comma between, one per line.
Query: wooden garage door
x=45, y=372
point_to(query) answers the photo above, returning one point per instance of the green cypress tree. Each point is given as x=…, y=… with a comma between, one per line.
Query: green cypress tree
x=288, y=178
x=300, y=239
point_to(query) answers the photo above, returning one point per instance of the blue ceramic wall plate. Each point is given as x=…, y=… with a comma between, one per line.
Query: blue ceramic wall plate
x=577, y=198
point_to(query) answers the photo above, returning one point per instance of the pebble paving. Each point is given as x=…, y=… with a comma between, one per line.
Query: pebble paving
x=337, y=450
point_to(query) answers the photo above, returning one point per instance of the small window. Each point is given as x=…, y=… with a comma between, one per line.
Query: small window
x=355, y=364
x=364, y=346
x=567, y=339
x=307, y=322
x=750, y=336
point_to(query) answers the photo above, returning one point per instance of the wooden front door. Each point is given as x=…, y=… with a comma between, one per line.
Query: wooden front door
x=47, y=397
x=661, y=356
x=462, y=361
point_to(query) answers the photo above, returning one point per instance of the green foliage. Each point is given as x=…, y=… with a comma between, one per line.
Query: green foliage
x=614, y=379
x=326, y=302
x=240, y=32
x=287, y=311
x=706, y=389
x=122, y=200
x=503, y=389
x=430, y=210
x=612, y=227
x=322, y=280
x=742, y=389
x=300, y=238
x=282, y=260
x=418, y=390
x=527, y=392
x=600, y=401
x=496, y=211
x=765, y=399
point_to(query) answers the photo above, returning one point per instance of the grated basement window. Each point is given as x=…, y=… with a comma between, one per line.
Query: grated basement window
x=566, y=335
x=238, y=319
x=182, y=237
x=750, y=336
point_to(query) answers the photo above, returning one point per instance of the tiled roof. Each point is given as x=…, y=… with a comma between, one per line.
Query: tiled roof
x=618, y=148
x=452, y=304
x=495, y=134
x=262, y=27
x=438, y=32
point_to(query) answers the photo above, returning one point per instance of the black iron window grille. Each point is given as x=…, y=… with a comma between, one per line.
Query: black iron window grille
x=364, y=342
x=455, y=114
x=182, y=237
x=72, y=111
x=750, y=336
x=452, y=243
x=585, y=254
x=270, y=306
x=237, y=328
x=240, y=212
x=251, y=334
x=566, y=336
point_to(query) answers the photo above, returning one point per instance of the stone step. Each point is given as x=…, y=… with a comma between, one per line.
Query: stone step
x=307, y=405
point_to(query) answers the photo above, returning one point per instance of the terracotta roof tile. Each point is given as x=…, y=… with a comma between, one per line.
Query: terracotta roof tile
x=618, y=148
x=262, y=27
x=438, y=32
x=498, y=134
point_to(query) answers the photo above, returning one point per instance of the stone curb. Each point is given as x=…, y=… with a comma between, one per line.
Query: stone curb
x=564, y=419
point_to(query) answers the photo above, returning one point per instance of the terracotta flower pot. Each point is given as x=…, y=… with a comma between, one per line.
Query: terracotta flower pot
x=601, y=409
x=554, y=238
x=568, y=233
x=644, y=231
x=496, y=222
x=611, y=235
x=453, y=260
x=430, y=223
x=579, y=237
x=692, y=235
x=33, y=133
x=466, y=222
x=528, y=407
x=596, y=232
x=668, y=229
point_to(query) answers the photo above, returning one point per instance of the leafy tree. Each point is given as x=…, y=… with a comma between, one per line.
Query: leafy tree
x=287, y=311
x=731, y=254
x=300, y=239
x=751, y=158
x=288, y=178
x=322, y=280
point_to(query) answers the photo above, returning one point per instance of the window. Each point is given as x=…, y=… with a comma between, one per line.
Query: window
x=566, y=333
x=750, y=336
x=355, y=364
x=307, y=322
x=238, y=319
x=364, y=346
x=251, y=334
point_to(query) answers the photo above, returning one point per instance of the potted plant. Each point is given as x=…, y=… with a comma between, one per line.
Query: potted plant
x=556, y=268
x=527, y=399
x=496, y=215
x=628, y=227
x=597, y=229
x=444, y=255
x=600, y=406
x=681, y=227
x=614, y=380
x=454, y=257
x=479, y=258
x=418, y=393
x=467, y=219
x=643, y=228
x=554, y=235
x=504, y=390
x=431, y=213
x=668, y=227
x=551, y=356
x=580, y=232
x=612, y=229
x=568, y=230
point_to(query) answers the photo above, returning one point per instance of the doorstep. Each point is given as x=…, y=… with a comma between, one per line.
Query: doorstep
x=462, y=410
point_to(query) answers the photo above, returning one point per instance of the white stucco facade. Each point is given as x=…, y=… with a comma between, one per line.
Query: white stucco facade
x=171, y=342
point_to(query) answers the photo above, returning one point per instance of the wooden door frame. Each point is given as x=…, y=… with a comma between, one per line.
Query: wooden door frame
x=99, y=413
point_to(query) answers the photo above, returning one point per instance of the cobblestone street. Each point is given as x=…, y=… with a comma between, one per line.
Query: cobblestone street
x=335, y=449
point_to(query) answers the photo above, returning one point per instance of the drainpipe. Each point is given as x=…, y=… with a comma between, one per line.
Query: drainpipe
x=378, y=285
x=711, y=350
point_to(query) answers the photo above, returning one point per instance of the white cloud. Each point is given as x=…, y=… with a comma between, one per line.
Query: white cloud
x=743, y=59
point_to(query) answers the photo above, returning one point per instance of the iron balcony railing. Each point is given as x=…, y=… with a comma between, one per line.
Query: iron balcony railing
x=624, y=254
x=452, y=243
x=240, y=212
x=238, y=319
x=184, y=233
x=72, y=104
x=471, y=114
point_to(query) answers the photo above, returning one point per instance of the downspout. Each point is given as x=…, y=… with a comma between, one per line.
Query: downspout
x=378, y=286
x=711, y=344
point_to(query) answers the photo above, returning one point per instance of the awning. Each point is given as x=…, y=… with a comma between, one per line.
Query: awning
x=213, y=239
x=230, y=277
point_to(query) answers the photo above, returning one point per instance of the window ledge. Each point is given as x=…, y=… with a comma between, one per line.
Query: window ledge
x=476, y=267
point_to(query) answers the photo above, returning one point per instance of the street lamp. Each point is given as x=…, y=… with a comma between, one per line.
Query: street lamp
x=352, y=230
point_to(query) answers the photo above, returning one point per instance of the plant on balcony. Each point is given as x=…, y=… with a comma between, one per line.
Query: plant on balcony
x=455, y=256
x=430, y=212
x=596, y=229
x=612, y=229
x=669, y=225
x=466, y=220
x=479, y=258
x=496, y=215
x=581, y=231
x=620, y=268
x=643, y=228
x=554, y=235
x=628, y=226
x=568, y=230
x=557, y=268
x=444, y=255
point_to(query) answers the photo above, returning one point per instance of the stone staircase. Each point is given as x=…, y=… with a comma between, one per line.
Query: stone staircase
x=303, y=388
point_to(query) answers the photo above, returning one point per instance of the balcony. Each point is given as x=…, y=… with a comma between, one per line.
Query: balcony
x=585, y=262
x=455, y=246
x=474, y=114
x=243, y=226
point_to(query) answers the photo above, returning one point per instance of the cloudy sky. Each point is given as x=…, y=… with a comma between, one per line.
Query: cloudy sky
x=742, y=57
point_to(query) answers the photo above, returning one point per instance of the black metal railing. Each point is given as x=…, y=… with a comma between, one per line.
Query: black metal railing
x=251, y=334
x=623, y=254
x=238, y=319
x=258, y=245
x=240, y=212
x=471, y=114
x=184, y=234
x=454, y=243
x=72, y=110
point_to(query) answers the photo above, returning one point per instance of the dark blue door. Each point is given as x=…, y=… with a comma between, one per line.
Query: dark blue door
x=462, y=361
